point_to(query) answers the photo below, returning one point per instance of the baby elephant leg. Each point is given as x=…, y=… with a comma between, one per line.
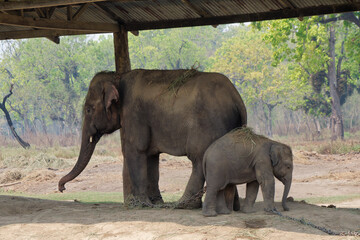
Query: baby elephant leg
x=210, y=202
x=225, y=200
x=221, y=207
x=230, y=193
x=252, y=189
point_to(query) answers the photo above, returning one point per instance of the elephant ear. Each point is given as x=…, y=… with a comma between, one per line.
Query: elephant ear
x=275, y=154
x=111, y=95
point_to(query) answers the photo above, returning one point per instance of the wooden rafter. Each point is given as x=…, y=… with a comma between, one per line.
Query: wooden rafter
x=107, y=12
x=110, y=14
x=5, y=6
x=51, y=34
x=80, y=11
x=13, y=20
x=69, y=12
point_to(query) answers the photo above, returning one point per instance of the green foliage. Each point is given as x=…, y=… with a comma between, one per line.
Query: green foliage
x=173, y=48
x=306, y=45
x=51, y=80
x=247, y=61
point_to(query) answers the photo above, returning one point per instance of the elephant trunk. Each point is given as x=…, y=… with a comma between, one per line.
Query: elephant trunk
x=88, y=144
x=287, y=184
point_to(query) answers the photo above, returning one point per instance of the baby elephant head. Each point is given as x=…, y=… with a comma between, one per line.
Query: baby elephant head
x=282, y=161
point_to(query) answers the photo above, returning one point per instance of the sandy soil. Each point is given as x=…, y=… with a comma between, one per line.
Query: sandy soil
x=315, y=175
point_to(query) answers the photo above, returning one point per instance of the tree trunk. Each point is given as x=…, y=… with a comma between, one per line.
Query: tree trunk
x=10, y=123
x=337, y=128
x=269, y=130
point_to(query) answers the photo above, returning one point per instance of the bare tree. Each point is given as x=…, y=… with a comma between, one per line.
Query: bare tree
x=9, y=121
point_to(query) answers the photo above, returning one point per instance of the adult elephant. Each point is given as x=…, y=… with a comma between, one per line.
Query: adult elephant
x=179, y=112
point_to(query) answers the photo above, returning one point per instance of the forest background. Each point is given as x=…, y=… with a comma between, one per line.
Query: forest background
x=283, y=70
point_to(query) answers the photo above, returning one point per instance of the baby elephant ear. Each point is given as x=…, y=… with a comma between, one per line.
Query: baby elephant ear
x=275, y=154
x=111, y=95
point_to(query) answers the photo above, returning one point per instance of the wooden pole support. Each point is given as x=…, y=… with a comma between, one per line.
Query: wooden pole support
x=122, y=59
x=122, y=64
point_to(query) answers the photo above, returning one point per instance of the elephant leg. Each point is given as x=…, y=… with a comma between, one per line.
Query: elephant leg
x=153, y=190
x=127, y=190
x=191, y=198
x=137, y=168
x=268, y=191
x=252, y=189
x=210, y=202
x=229, y=194
x=236, y=205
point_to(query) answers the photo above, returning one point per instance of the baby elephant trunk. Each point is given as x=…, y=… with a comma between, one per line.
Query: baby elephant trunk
x=287, y=184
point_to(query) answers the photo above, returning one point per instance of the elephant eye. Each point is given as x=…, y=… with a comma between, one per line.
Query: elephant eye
x=88, y=109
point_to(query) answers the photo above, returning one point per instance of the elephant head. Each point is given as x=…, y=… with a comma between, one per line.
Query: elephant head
x=100, y=116
x=282, y=161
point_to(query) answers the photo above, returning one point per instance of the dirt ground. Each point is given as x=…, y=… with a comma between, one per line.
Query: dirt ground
x=315, y=175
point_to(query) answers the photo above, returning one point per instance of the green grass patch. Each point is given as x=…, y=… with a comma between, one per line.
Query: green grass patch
x=86, y=197
x=330, y=199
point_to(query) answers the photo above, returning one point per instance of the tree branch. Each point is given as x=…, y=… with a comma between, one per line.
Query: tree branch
x=9, y=121
x=349, y=16
x=7, y=96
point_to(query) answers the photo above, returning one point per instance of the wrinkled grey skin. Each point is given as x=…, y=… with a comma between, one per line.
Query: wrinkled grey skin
x=237, y=159
x=153, y=120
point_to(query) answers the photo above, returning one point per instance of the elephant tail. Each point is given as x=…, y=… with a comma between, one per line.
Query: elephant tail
x=241, y=110
x=204, y=164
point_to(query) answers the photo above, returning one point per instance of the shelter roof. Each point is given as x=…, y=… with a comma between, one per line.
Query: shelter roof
x=54, y=18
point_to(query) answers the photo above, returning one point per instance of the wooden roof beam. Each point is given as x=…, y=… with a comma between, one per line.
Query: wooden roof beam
x=42, y=23
x=80, y=11
x=50, y=34
x=5, y=6
x=110, y=14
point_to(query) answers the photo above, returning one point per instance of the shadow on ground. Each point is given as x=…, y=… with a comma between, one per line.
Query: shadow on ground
x=22, y=211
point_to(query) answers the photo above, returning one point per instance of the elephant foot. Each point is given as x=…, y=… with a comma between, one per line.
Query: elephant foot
x=157, y=200
x=209, y=213
x=135, y=202
x=193, y=202
x=248, y=209
x=189, y=204
x=224, y=211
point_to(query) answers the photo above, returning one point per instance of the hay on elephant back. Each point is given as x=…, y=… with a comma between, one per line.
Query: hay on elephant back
x=246, y=134
x=181, y=80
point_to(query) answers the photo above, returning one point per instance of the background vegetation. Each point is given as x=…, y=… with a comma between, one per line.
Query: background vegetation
x=281, y=69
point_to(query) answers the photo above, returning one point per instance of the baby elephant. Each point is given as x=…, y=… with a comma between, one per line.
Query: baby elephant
x=241, y=156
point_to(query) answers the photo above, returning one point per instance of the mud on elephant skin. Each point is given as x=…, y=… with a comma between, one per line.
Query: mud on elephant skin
x=241, y=156
x=156, y=114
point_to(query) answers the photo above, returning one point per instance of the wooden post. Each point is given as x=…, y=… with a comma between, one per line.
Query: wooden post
x=122, y=59
x=122, y=64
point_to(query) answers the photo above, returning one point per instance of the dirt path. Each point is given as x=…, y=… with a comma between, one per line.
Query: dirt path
x=315, y=176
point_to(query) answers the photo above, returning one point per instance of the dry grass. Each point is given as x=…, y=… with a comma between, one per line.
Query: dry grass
x=180, y=81
x=352, y=175
x=11, y=176
x=41, y=175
